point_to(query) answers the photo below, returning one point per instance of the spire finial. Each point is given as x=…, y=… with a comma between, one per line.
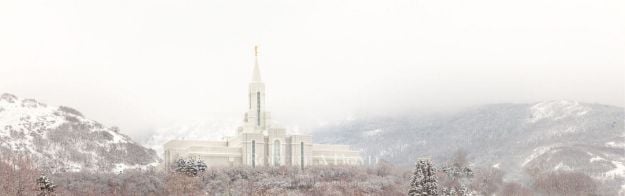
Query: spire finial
x=256, y=74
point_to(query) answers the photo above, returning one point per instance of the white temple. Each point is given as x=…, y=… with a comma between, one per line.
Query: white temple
x=258, y=142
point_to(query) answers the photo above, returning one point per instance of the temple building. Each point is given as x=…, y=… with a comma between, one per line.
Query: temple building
x=258, y=142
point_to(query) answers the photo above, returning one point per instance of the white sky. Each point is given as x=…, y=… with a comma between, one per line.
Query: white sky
x=146, y=64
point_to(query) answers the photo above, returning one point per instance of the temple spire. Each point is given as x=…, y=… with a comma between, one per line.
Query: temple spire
x=256, y=76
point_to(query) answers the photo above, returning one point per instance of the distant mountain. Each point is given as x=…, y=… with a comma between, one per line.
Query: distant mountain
x=546, y=136
x=60, y=138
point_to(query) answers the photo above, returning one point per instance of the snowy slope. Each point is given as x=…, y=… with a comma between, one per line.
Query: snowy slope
x=60, y=138
x=517, y=138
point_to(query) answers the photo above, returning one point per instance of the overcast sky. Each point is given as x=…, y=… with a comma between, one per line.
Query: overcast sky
x=146, y=64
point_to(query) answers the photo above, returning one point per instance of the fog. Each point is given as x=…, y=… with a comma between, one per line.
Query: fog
x=143, y=65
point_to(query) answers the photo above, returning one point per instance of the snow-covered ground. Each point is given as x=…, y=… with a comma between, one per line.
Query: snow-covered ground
x=536, y=153
x=556, y=110
x=62, y=138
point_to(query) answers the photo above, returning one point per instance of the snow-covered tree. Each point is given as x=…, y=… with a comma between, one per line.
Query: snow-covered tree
x=456, y=179
x=423, y=180
x=46, y=186
x=456, y=175
x=461, y=190
x=190, y=167
x=458, y=172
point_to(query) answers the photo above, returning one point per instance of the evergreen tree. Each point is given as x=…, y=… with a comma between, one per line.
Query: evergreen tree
x=46, y=186
x=462, y=190
x=458, y=175
x=190, y=167
x=423, y=181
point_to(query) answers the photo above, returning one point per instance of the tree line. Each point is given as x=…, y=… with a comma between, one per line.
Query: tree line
x=456, y=177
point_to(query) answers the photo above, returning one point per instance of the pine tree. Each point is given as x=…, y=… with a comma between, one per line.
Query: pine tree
x=423, y=181
x=46, y=186
x=455, y=180
x=190, y=167
x=200, y=166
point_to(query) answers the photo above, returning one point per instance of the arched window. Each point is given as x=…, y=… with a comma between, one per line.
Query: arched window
x=276, y=153
x=258, y=107
x=302, y=154
x=253, y=153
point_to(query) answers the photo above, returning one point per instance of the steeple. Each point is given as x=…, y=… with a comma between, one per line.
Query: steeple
x=256, y=117
x=256, y=76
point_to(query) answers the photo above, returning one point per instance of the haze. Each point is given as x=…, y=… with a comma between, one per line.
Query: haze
x=143, y=65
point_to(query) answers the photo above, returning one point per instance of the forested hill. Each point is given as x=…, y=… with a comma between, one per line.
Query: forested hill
x=60, y=138
x=516, y=138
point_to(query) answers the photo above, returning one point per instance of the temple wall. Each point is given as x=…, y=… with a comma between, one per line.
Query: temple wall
x=329, y=154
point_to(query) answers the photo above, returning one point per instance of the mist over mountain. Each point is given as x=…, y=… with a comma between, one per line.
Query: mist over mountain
x=190, y=130
x=60, y=138
x=519, y=139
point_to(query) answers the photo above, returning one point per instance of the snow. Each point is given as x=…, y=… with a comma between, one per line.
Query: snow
x=619, y=171
x=615, y=144
x=373, y=132
x=73, y=166
x=25, y=116
x=556, y=110
x=117, y=138
x=561, y=131
x=120, y=167
x=561, y=166
x=16, y=114
x=23, y=121
x=597, y=158
x=536, y=153
x=496, y=165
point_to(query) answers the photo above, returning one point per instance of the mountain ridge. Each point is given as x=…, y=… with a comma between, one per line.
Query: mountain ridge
x=517, y=138
x=520, y=139
x=60, y=138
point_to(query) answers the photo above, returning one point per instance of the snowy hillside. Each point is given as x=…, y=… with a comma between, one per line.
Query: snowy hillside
x=518, y=138
x=60, y=138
